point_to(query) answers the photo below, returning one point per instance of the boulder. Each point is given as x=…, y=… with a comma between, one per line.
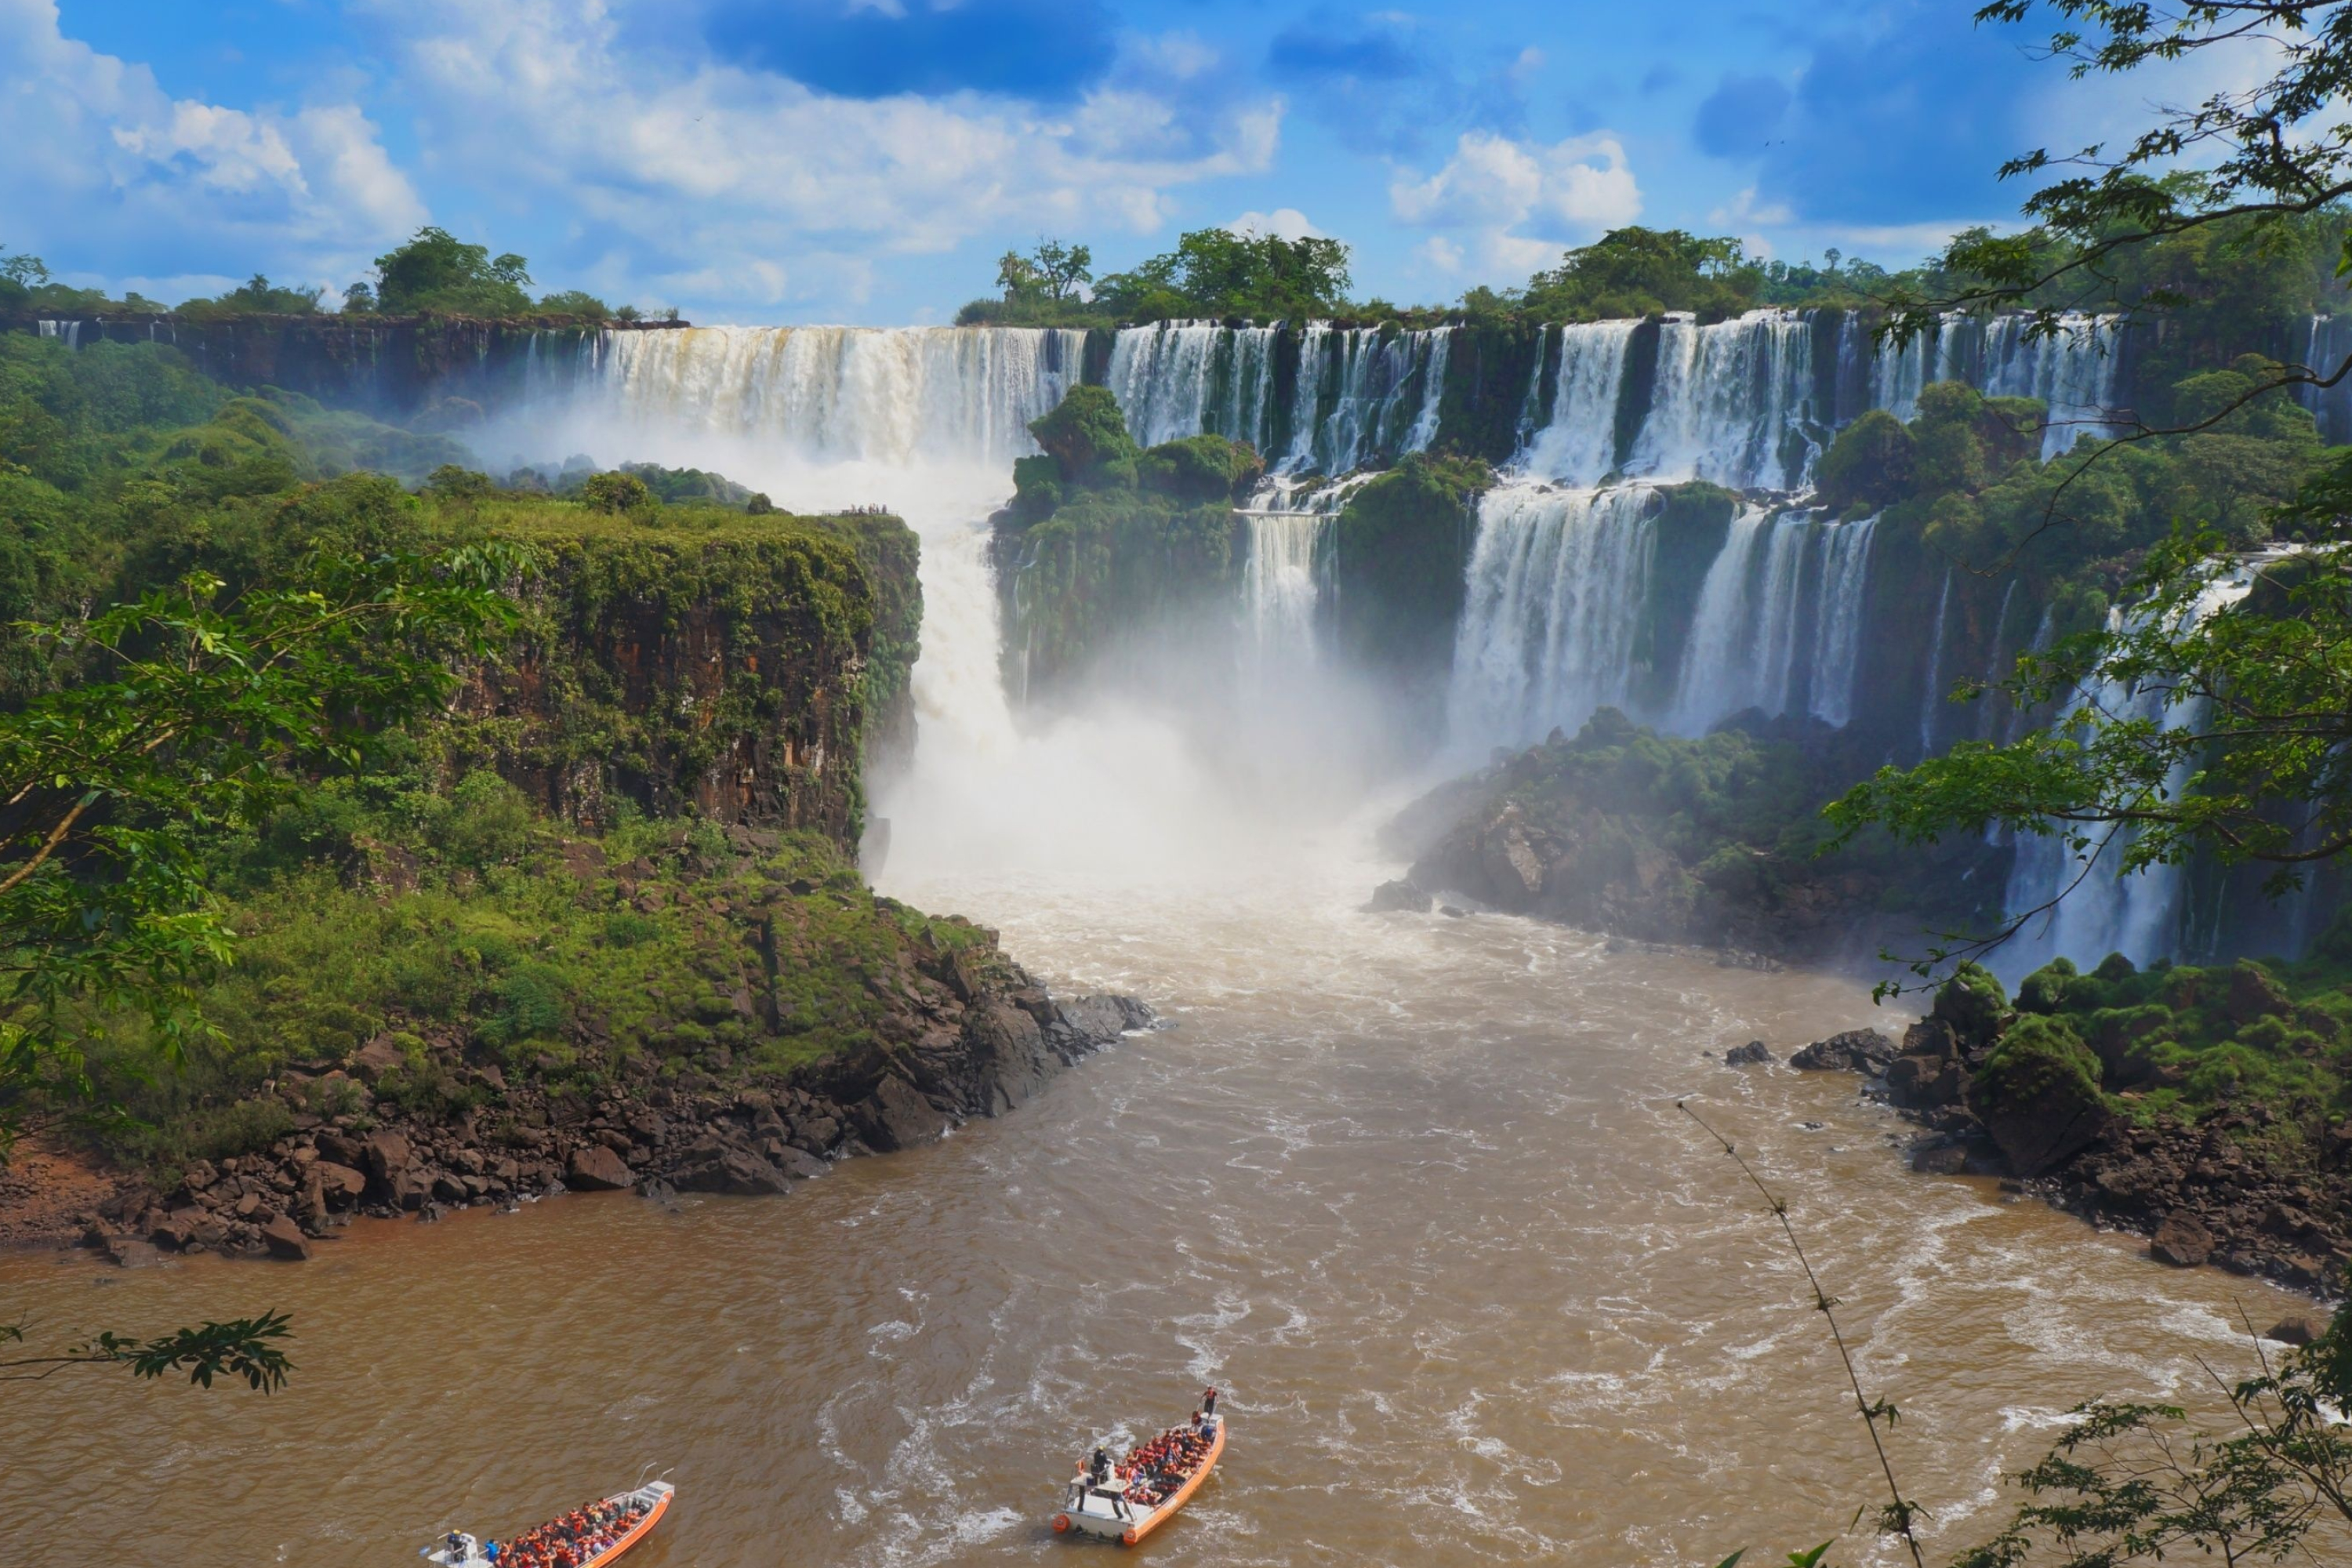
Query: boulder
x=1514, y=871
x=1857, y=1050
x=337, y=1182
x=2255, y=992
x=378, y=1056
x=385, y=1155
x=1973, y=1005
x=1924, y=1082
x=899, y=1117
x=1400, y=895
x=285, y=1238
x=129, y=1251
x=2297, y=1330
x=732, y=1170
x=2183, y=1241
x=2038, y=1094
x=1943, y=1160
x=594, y=1168
x=1754, y=1054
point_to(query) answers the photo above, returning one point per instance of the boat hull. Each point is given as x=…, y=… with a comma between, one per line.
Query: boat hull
x=1096, y=1517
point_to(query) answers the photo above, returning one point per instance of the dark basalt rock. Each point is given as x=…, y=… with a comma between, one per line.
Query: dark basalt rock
x=1857, y=1050
x=1754, y=1054
x=1401, y=895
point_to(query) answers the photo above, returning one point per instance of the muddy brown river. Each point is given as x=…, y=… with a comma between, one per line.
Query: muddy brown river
x=1411, y=1190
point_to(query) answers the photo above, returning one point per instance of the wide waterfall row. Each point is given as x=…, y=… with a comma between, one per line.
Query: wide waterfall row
x=2077, y=372
x=1567, y=609
x=1351, y=396
x=840, y=395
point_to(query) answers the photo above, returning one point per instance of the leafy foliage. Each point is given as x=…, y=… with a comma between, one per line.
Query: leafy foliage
x=247, y=1348
x=438, y=273
x=1216, y=272
x=195, y=712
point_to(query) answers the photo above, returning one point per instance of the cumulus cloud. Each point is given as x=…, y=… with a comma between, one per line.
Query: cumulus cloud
x=101, y=156
x=706, y=172
x=1283, y=223
x=1517, y=204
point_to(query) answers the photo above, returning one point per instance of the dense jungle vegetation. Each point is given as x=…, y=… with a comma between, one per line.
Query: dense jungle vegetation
x=528, y=866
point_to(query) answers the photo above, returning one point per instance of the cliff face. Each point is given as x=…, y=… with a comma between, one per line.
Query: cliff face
x=742, y=667
x=384, y=365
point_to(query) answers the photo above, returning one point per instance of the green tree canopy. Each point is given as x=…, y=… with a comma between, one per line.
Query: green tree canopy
x=1216, y=272
x=438, y=273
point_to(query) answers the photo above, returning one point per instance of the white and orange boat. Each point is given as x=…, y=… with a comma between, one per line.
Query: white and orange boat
x=1138, y=1496
x=591, y=1536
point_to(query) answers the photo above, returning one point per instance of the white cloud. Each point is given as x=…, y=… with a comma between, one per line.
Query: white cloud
x=752, y=189
x=1283, y=223
x=100, y=154
x=1519, y=204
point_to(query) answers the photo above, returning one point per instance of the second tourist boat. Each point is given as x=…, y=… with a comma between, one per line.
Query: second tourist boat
x=1129, y=1499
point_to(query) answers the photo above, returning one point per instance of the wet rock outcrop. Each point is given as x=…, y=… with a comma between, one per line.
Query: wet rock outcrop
x=2021, y=1093
x=977, y=1056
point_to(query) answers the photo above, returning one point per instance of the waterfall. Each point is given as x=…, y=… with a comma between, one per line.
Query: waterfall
x=1837, y=647
x=1279, y=588
x=2325, y=352
x=2140, y=915
x=1730, y=401
x=1932, y=702
x=841, y=394
x=1355, y=388
x=1897, y=378
x=70, y=332
x=1531, y=402
x=1175, y=379
x=1743, y=638
x=1578, y=445
x=1553, y=601
x=2075, y=371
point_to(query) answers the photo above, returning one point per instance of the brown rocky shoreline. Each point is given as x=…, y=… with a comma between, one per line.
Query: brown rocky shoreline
x=977, y=1054
x=2203, y=1192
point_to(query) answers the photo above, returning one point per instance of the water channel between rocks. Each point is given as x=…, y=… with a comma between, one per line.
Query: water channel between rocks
x=1413, y=1190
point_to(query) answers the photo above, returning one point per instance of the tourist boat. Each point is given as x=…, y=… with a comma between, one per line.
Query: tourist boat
x=649, y=1501
x=1095, y=1513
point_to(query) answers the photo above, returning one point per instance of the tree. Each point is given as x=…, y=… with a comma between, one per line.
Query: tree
x=2238, y=674
x=2132, y=1483
x=437, y=272
x=1216, y=272
x=246, y=1348
x=1637, y=271
x=2275, y=154
x=197, y=714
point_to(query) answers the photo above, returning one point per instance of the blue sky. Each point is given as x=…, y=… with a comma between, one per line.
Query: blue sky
x=866, y=160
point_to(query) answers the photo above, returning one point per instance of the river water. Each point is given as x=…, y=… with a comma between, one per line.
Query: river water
x=1413, y=1190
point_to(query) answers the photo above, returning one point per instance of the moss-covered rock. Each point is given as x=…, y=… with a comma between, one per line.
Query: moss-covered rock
x=2038, y=1093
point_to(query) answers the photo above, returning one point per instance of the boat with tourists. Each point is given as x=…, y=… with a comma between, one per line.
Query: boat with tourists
x=1126, y=1498
x=590, y=1536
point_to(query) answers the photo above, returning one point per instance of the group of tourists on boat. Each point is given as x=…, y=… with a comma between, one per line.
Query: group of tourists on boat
x=1153, y=1471
x=575, y=1540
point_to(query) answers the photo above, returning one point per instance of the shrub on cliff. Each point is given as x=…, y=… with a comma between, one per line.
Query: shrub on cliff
x=1085, y=433
x=1869, y=465
x=618, y=495
x=1200, y=468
